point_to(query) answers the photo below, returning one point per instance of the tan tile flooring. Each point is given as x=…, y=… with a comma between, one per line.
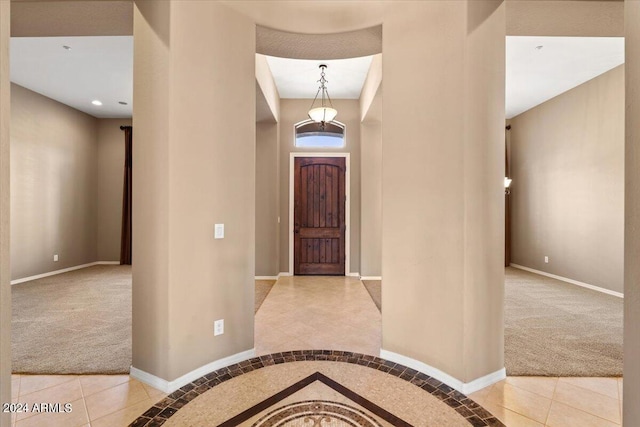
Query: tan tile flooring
x=98, y=400
x=322, y=312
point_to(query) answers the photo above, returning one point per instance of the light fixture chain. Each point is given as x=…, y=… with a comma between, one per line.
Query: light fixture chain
x=327, y=113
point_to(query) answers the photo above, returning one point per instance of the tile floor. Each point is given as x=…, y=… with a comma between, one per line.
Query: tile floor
x=300, y=313
x=554, y=402
x=306, y=313
x=97, y=400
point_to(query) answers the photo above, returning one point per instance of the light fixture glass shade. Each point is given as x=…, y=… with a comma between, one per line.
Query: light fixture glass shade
x=507, y=182
x=322, y=114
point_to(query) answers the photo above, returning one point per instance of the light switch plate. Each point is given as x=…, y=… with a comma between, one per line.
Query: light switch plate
x=219, y=231
x=218, y=327
x=55, y=258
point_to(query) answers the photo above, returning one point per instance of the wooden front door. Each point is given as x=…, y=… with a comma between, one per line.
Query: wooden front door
x=319, y=215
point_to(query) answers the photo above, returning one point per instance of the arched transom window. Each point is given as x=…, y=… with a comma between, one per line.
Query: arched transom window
x=309, y=134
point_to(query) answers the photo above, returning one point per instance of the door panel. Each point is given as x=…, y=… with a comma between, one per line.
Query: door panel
x=319, y=215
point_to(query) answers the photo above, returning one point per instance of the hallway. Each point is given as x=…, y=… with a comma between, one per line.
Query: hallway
x=314, y=312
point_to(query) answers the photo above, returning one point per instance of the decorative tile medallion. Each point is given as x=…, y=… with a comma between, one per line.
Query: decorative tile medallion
x=316, y=413
x=158, y=414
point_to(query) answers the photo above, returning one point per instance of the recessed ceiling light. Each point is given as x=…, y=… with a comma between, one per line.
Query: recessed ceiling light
x=539, y=47
x=122, y=103
x=66, y=47
x=96, y=102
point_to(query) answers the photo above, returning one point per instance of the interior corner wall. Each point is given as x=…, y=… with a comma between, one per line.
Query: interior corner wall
x=5, y=267
x=53, y=185
x=267, y=199
x=630, y=407
x=293, y=111
x=371, y=194
x=150, y=231
x=111, y=152
x=484, y=207
x=567, y=195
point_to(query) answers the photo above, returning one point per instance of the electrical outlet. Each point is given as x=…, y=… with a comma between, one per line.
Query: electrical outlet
x=218, y=327
x=55, y=258
x=219, y=231
x=546, y=259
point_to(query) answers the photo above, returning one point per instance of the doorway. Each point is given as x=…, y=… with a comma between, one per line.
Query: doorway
x=319, y=241
x=319, y=214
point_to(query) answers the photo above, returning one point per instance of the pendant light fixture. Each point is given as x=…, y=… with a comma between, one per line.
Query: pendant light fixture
x=323, y=113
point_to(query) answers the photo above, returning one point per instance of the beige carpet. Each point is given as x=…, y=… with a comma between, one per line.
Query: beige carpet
x=73, y=323
x=553, y=328
x=374, y=287
x=79, y=322
x=263, y=287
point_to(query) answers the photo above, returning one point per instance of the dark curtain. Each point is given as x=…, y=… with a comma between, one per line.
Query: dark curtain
x=125, y=242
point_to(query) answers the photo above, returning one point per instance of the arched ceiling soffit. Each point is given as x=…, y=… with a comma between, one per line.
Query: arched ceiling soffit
x=312, y=17
x=71, y=18
x=352, y=44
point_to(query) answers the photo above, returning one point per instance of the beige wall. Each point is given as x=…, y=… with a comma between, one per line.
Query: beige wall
x=570, y=18
x=5, y=267
x=293, y=111
x=631, y=408
x=53, y=185
x=371, y=85
x=267, y=199
x=66, y=185
x=268, y=88
x=371, y=188
x=442, y=196
x=316, y=17
x=567, y=198
x=110, y=187
x=46, y=18
x=186, y=129
x=483, y=170
x=150, y=240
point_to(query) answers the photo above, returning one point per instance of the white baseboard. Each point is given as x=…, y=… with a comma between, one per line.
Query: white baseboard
x=486, y=381
x=171, y=386
x=286, y=273
x=64, y=270
x=573, y=282
x=371, y=278
x=462, y=387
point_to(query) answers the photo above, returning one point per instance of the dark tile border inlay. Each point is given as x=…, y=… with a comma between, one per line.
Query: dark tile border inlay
x=158, y=414
x=317, y=376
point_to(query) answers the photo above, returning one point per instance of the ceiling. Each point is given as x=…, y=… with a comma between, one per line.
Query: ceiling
x=535, y=75
x=96, y=68
x=102, y=68
x=298, y=78
x=352, y=44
